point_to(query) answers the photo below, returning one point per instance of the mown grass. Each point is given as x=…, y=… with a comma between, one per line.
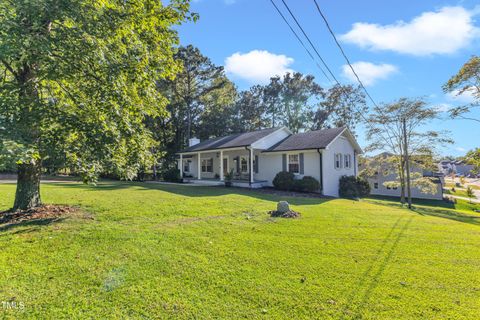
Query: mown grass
x=458, y=192
x=158, y=251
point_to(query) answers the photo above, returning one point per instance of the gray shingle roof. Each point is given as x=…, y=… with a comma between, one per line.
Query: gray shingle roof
x=318, y=139
x=231, y=141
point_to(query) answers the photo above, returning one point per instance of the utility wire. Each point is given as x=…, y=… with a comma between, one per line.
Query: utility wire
x=323, y=61
x=300, y=40
x=343, y=52
x=309, y=41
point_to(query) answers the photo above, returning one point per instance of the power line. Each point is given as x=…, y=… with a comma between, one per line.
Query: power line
x=323, y=61
x=300, y=40
x=343, y=52
x=309, y=41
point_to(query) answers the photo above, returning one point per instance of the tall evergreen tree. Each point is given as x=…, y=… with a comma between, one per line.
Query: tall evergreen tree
x=191, y=94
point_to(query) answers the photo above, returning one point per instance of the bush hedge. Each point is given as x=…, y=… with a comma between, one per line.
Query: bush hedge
x=307, y=184
x=286, y=181
x=353, y=187
x=172, y=175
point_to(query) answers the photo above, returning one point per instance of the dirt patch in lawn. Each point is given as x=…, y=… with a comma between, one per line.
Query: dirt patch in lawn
x=289, y=214
x=48, y=211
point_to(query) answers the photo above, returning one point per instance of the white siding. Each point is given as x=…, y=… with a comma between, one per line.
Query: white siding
x=269, y=165
x=331, y=175
x=416, y=193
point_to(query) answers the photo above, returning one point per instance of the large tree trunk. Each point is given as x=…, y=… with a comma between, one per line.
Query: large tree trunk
x=27, y=195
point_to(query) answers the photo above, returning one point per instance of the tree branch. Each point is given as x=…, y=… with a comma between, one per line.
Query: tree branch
x=10, y=69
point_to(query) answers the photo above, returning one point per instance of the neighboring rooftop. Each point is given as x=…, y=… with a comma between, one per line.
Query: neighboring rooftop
x=318, y=139
x=231, y=141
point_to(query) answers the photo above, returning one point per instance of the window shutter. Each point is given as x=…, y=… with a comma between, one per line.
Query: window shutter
x=300, y=159
x=284, y=162
x=238, y=164
x=256, y=164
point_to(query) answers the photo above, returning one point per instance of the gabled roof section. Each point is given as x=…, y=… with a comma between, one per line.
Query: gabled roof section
x=318, y=139
x=231, y=141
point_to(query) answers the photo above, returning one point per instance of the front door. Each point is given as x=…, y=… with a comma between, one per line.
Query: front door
x=225, y=166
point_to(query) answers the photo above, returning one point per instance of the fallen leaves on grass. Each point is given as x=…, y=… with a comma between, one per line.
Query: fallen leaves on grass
x=39, y=213
x=288, y=214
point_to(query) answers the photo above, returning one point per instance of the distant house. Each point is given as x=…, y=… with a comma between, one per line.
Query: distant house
x=384, y=173
x=256, y=157
x=457, y=167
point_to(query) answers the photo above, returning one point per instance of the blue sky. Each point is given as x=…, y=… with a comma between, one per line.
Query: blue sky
x=399, y=48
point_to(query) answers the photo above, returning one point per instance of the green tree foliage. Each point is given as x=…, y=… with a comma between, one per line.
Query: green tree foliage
x=466, y=81
x=76, y=82
x=297, y=94
x=470, y=194
x=250, y=110
x=473, y=157
x=200, y=96
x=343, y=105
x=298, y=102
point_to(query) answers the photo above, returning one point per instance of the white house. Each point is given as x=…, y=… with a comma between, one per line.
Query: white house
x=256, y=157
x=383, y=173
x=458, y=167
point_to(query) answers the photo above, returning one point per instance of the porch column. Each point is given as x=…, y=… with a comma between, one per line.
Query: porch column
x=181, y=165
x=221, y=165
x=199, y=168
x=251, y=165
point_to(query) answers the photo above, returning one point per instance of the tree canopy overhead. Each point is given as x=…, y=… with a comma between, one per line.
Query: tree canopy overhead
x=466, y=82
x=77, y=81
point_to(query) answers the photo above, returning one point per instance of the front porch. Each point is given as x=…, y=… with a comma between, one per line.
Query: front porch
x=210, y=167
x=235, y=183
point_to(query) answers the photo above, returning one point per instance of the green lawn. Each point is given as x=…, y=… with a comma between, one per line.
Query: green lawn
x=158, y=251
x=458, y=192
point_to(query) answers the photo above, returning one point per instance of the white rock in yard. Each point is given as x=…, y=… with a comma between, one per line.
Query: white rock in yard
x=283, y=207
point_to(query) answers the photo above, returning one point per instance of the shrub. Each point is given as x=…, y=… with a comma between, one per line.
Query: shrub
x=172, y=175
x=307, y=184
x=284, y=181
x=353, y=187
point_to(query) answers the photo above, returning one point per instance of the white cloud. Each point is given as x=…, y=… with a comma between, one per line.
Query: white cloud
x=465, y=97
x=368, y=72
x=441, y=32
x=257, y=66
x=443, y=107
x=460, y=149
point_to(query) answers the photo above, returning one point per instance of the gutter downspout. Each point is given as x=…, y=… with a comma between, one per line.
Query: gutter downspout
x=355, y=162
x=320, y=155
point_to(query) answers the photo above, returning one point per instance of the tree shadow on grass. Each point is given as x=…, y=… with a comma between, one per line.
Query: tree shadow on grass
x=448, y=214
x=434, y=208
x=200, y=191
x=27, y=226
x=369, y=280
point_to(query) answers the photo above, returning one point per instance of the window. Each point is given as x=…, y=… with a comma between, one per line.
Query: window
x=347, y=160
x=338, y=160
x=207, y=165
x=186, y=165
x=375, y=185
x=244, y=164
x=293, y=163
